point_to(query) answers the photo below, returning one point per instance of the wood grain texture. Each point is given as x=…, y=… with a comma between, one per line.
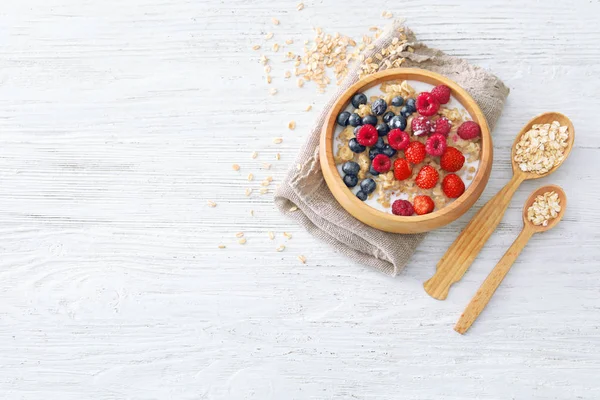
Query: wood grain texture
x=386, y=221
x=120, y=119
x=465, y=249
x=493, y=280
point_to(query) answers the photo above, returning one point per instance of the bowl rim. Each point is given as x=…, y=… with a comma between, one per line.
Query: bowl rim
x=374, y=217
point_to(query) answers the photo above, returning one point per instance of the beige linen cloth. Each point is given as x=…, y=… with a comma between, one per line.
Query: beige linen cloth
x=305, y=197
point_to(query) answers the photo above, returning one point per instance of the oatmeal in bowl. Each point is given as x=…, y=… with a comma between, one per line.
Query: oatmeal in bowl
x=407, y=144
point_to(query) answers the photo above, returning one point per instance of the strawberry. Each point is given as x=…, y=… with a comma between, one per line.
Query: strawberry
x=423, y=205
x=427, y=105
x=415, y=152
x=469, y=130
x=367, y=135
x=453, y=186
x=402, y=169
x=452, y=160
x=427, y=177
x=441, y=93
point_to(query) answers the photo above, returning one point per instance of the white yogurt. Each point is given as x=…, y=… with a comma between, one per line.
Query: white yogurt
x=419, y=87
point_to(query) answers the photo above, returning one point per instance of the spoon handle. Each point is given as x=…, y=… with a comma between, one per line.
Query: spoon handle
x=464, y=250
x=493, y=280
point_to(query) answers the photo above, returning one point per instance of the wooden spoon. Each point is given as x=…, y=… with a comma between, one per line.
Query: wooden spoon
x=491, y=283
x=464, y=250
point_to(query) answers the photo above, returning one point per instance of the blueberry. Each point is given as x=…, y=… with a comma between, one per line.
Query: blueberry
x=350, y=168
x=355, y=120
x=368, y=185
x=388, y=151
x=358, y=99
x=387, y=116
x=397, y=101
x=372, y=171
x=355, y=146
x=361, y=195
x=357, y=129
x=370, y=120
x=373, y=151
x=398, y=122
x=380, y=145
x=382, y=129
x=410, y=103
x=350, y=180
x=378, y=107
x=405, y=111
x=342, y=119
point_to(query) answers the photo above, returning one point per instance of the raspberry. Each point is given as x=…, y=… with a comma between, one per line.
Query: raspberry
x=423, y=205
x=402, y=207
x=435, y=145
x=453, y=186
x=382, y=163
x=427, y=177
x=415, y=152
x=441, y=93
x=427, y=105
x=452, y=160
x=398, y=139
x=469, y=130
x=402, y=169
x=420, y=126
x=367, y=135
x=442, y=126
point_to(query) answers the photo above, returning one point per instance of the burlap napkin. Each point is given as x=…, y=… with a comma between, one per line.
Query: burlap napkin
x=305, y=197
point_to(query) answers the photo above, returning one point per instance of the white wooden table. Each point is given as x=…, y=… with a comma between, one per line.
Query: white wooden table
x=120, y=119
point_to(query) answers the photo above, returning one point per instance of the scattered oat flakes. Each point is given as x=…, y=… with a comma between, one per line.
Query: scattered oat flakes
x=273, y=91
x=280, y=248
x=269, y=179
x=292, y=125
x=271, y=235
x=211, y=203
x=266, y=166
x=239, y=234
x=387, y=14
x=256, y=47
x=221, y=246
x=248, y=191
x=287, y=235
x=275, y=21
x=264, y=59
x=235, y=167
x=277, y=140
x=265, y=183
x=275, y=47
x=254, y=154
x=308, y=108
x=278, y=156
x=287, y=74
x=250, y=177
x=267, y=69
x=298, y=167
x=544, y=208
x=289, y=41
x=264, y=190
x=242, y=241
x=300, y=82
x=269, y=35
x=300, y=6
x=302, y=259
x=268, y=79
x=293, y=208
x=252, y=213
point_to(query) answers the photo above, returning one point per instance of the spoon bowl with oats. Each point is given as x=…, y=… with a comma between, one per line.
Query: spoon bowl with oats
x=543, y=209
x=539, y=149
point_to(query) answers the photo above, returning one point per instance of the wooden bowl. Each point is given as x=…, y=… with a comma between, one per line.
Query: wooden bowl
x=387, y=221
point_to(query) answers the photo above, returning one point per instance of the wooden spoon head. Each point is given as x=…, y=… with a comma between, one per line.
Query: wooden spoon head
x=545, y=118
x=551, y=223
